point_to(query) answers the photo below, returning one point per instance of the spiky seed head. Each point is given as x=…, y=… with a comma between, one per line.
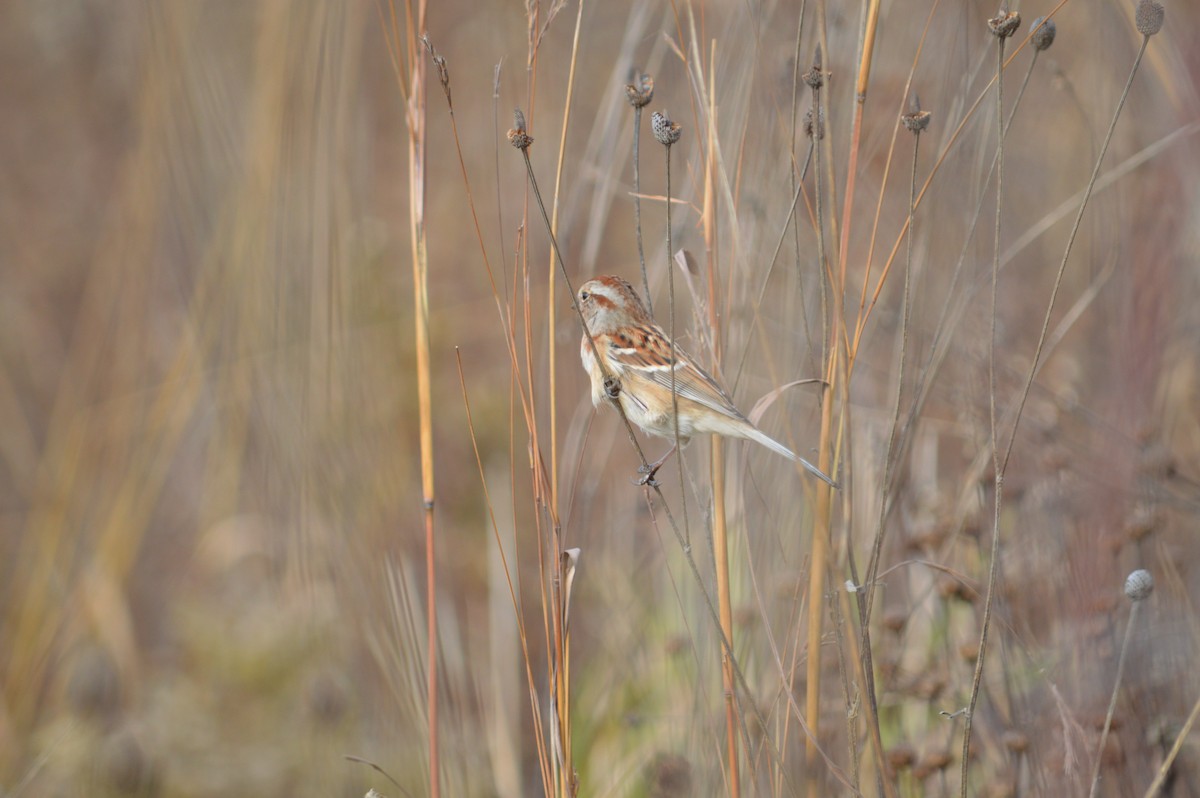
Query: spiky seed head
x=916, y=120
x=666, y=131
x=820, y=126
x=1140, y=583
x=1044, y=31
x=517, y=136
x=1149, y=17
x=1005, y=23
x=641, y=91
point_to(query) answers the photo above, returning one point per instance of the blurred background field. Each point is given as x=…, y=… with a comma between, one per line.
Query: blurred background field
x=211, y=543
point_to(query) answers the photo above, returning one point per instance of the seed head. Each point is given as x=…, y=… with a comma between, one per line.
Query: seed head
x=1149, y=17
x=666, y=131
x=1139, y=584
x=641, y=91
x=1043, y=36
x=517, y=136
x=916, y=120
x=1005, y=23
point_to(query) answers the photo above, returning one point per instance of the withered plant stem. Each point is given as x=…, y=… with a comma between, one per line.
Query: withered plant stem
x=1112, y=702
x=867, y=600
x=998, y=476
x=637, y=206
x=1165, y=769
x=820, y=535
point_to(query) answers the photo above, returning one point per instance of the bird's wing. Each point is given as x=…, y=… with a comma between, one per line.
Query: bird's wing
x=648, y=352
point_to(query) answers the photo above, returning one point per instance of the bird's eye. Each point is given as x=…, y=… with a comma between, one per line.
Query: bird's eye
x=583, y=296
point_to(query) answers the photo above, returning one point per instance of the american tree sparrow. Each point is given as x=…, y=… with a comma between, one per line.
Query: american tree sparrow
x=637, y=353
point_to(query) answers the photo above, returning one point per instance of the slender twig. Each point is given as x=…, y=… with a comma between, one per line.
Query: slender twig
x=1112, y=703
x=639, y=93
x=915, y=121
x=1002, y=26
x=796, y=183
x=1164, y=770
x=820, y=541
x=417, y=141
x=667, y=133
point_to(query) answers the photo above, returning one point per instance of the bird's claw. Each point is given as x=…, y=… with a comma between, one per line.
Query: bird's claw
x=612, y=388
x=647, y=476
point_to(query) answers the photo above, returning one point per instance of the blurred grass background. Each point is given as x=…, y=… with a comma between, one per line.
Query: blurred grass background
x=210, y=536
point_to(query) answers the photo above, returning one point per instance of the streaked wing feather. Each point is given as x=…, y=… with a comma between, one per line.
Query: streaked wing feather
x=692, y=382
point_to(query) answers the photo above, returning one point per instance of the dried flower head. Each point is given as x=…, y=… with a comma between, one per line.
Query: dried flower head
x=1139, y=585
x=666, y=131
x=517, y=136
x=1044, y=31
x=641, y=91
x=1149, y=17
x=1005, y=23
x=915, y=120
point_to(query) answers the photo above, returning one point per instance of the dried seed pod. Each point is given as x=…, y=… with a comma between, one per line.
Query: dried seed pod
x=1005, y=23
x=1044, y=31
x=916, y=120
x=1149, y=17
x=641, y=91
x=1139, y=585
x=666, y=131
x=517, y=136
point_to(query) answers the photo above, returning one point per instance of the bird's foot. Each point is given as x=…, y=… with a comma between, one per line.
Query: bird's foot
x=647, y=476
x=612, y=388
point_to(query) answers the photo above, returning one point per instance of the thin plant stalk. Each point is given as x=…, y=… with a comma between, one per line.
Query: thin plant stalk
x=720, y=530
x=567, y=781
x=998, y=477
x=870, y=27
x=890, y=458
x=1164, y=770
x=1112, y=702
x=820, y=541
x=639, y=102
x=416, y=120
x=796, y=179
x=551, y=298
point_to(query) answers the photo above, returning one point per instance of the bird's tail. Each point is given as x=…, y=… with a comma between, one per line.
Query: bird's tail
x=777, y=447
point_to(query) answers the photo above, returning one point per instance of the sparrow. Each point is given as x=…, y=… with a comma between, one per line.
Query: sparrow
x=637, y=354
